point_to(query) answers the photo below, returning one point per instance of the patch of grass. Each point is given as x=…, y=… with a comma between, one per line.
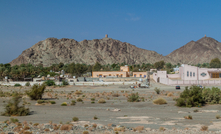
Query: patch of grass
x=160, y=101
x=170, y=94
x=92, y=102
x=217, y=116
x=92, y=99
x=41, y=101
x=75, y=119
x=78, y=92
x=101, y=101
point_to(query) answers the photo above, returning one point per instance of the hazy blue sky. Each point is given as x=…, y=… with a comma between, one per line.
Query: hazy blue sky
x=159, y=25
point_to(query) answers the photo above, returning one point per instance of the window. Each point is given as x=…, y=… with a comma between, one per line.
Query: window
x=193, y=74
x=109, y=74
x=187, y=74
x=140, y=75
x=135, y=75
x=144, y=76
x=190, y=74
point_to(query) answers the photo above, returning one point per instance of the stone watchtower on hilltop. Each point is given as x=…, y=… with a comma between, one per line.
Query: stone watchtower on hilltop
x=106, y=35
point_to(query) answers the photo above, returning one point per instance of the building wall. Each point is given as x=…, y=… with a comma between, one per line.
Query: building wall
x=98, y=74
x=189, y=72
x=125, y=68
x=140, y=74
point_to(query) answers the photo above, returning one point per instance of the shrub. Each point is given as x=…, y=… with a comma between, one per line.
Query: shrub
x=204, y=128
x=73, y=102
x=64, y=104
x=79, y=100
x=27, y=84
x=101, y=101
x=92, y=102
x=196, y=110
x=75, y=119
x=116, y=95
x=66, y=127
x=94, y=125
x=188, y=117
x=14, y=120
x=52, y=102
x=36, y=91
x=133, y=97
x=170, y=94
x=157, y=90
x=212, y=96
x=64, y=83
x=40, y=101
x=17, y=85
x=95, y=117
x=78, y=92
x=162, y=129
x=92, y=99
x=36, y=124
x=85, y=132
x=49, y=83
x=217, y=116
x=13, y=108
x=160, y=101
x=191, y=97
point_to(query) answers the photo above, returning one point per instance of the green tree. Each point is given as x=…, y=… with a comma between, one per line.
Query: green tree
x=215, y=63
x=97, y=67
x=159, y=65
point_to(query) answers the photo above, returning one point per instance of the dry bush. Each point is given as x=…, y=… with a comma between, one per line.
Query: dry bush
x=56, y=127
x=109, y=125
x=162, y=129
x=17, y=129
x=85, y=132
x=47, y=129
x=102, y=101
x=26, y=128
x=66, y=127
x=188, y=117
x=94, y=125
x=115, y=95
x=122, y=129
x=36, y=124
x=78, y=92
x=204, y=128
x=160, y=101
x=138, y=128
x=170, y=94
x=90, y=128
x=27, y=132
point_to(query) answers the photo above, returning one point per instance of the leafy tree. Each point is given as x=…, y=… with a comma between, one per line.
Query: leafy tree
x=36, y=92
x=159, y=65
x=97, y=67
x=215, y=63
x=169, y=65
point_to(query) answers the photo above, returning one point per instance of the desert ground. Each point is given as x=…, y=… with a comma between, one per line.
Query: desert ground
x=117, y=111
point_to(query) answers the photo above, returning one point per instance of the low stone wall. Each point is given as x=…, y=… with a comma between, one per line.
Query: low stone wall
x=105, y=83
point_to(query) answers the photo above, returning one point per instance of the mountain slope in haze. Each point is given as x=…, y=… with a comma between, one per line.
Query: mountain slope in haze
x=105, y=51
x=194, y=52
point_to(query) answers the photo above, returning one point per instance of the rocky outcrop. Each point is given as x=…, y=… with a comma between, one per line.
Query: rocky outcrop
x=105, y=51
x=194, y=52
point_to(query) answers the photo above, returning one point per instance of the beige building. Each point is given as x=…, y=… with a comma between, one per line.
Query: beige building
x=140, y=74
x=124, y=72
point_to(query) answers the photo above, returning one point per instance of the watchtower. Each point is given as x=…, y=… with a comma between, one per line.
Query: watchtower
x=106, y=35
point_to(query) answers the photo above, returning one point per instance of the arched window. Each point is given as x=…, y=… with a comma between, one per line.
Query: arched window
x=187, y=74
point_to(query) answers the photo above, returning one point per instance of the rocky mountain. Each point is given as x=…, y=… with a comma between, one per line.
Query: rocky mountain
x=194, y=52
x=105, y=51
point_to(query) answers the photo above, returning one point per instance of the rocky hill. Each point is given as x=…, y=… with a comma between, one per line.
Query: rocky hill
x=105, y=51
x=194, y=52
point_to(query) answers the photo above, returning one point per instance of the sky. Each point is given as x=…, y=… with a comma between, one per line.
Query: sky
x=158, y=25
